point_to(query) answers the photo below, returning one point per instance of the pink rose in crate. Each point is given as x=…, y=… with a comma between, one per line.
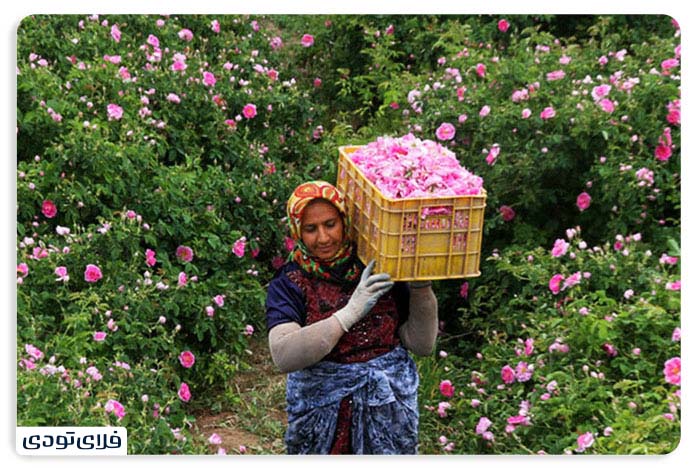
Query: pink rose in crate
x=503, y=25
x=407, y=167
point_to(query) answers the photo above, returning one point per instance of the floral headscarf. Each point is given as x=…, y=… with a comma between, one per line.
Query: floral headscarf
x=343, y=265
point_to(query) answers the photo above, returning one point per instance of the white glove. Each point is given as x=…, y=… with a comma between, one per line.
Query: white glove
x=365, y=296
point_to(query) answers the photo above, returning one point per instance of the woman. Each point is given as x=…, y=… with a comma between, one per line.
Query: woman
x=340, y=332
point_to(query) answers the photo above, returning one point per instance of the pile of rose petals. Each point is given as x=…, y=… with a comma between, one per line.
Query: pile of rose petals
x=408, y=167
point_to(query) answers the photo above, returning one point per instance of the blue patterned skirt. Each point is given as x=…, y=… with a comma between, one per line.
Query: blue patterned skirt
x=384, y=391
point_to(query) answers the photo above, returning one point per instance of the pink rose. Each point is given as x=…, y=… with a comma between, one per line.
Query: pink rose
x=606, y=105
x=92, y=273
x=507, y=213
x=669, y=63
x=187, y=359
x=598, y=92
x=113, y=406
x=209, y=79
x=480, y=70
x=464, y=290
x=507, y=373
x=184, y=393
x=239, y=246
x=560, y=247
x=583, y=201
x=446, y=388
x=674, y=117
x=115, y=33
x=555, y=75
x=445, y=131
x=526, y=113
x=184, y=253
x=585, y=441
x=153, y=41
x=150, y=259
x=663, y=152
x=503, y=25
x=547, y=113
x=672, y=371
x=185, y=34
x=483, y=425
x=307, y=40
x=555, y=283
x=48, y=208
x=249, y=111
x=99, y=336
x=114, y=111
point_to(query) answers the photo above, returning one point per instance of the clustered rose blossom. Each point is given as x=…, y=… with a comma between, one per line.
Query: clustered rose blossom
x=187, y=359
x=48, y=208
x=209, y=79
x=447, y=389
x=307, y=40
x=408, y=167
x=114, y=111
x=113, y=406
x=92, y=273
x=663, y=151
x=249, y=111
x=585, y=441
x=583, y=201
x=184, y=392
x=239, y=246
x=560, y=247
x=482, y=428
x=445, y=131
x=184, y=253
x=672, y=371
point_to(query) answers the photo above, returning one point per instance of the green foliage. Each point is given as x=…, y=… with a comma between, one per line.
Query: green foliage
x=185, y=165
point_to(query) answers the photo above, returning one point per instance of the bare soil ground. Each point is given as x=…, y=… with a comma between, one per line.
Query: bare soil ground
x=253, y=412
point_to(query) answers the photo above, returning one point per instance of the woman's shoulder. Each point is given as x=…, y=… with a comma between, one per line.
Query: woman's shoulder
x=287, y=267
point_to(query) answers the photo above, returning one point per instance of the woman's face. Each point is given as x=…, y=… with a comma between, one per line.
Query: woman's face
x=322, y=229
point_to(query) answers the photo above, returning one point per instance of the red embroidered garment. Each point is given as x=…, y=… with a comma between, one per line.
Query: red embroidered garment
x=374, y=335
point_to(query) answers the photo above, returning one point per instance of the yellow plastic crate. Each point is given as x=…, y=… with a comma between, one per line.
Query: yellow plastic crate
x=412, y=238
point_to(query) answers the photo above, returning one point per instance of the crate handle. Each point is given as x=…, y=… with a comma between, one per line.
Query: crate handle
x=435, y=211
